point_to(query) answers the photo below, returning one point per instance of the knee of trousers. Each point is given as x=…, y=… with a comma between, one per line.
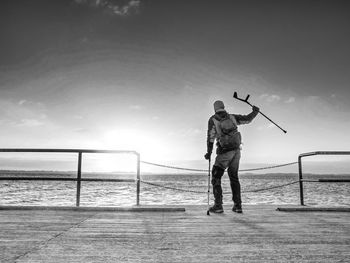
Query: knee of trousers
x=234, y=179
x=217, y=174
x=216, y=181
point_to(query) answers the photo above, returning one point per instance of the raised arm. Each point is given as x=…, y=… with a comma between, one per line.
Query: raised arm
x=245, y=119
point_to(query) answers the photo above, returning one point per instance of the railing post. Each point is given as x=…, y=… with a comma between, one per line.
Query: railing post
x=301, y=190
x=138, y=180
x=79, y=179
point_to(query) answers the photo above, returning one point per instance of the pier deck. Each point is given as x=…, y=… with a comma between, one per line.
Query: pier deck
x=260, y=234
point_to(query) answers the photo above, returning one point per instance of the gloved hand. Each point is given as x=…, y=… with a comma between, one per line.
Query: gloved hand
x=210, y=146
x=207, y=156
x=256, y=109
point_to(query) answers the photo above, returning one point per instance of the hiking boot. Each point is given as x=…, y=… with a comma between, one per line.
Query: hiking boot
x=216, y=209
x=237, y=209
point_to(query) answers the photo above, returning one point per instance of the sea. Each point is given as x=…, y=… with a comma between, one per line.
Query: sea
x=168, y=189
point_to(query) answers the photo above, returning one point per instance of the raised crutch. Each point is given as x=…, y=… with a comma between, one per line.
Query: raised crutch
x=246, y=101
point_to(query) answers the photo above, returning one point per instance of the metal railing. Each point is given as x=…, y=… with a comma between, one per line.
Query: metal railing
x=79, y=179
x=301, y=180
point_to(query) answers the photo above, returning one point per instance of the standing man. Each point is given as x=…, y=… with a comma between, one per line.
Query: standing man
x=222, y=127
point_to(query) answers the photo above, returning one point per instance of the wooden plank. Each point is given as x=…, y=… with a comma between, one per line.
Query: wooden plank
x=260, y=234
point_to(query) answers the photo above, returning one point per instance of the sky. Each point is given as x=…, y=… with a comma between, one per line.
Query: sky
x=143, y=75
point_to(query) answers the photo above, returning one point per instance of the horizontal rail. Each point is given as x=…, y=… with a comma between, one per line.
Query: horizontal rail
x=78, y=179
x=326, y=180
x=325, y=153
x=30, y=178
x=65, y=150
x=301, y=180
x=334, y=180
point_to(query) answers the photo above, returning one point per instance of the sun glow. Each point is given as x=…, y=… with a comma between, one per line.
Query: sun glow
x=146, y=144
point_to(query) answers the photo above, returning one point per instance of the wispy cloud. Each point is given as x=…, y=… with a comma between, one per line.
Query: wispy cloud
x=82, y=130
x=325, y=107
x=188, y=132
x=266, y=126
x=77, y=117
x=29, y=123
x=270, y=98
x=21, y=102
x=290, y=100
x=116, y=7
x=22, y=113
x=135, y=107
x=314, y=100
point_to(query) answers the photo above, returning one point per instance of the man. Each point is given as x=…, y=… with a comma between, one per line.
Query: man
x=222, y=127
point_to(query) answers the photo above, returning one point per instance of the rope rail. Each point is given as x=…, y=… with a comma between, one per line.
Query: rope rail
x=203, y=192
x=202, y=170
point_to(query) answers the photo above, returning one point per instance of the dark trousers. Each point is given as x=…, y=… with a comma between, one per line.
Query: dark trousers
x=228, y=160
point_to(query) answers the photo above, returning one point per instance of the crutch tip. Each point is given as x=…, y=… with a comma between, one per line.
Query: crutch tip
x=208, y=214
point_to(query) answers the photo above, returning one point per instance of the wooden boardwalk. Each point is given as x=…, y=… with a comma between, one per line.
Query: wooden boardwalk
x=261, y=234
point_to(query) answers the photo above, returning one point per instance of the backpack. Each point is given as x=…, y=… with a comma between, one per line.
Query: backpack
x=230, y=138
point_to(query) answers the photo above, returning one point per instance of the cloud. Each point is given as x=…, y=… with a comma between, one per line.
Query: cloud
x=290, y=100
x=21, y=102
x=115, y=7
x=77, y=117
x=270, y=98
x=82, y=130
x=135, y=107
x=314, y=100
x=29, y=123
x=266, y=126
x=187, y=132
x=22, y=113
x=324, y=107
